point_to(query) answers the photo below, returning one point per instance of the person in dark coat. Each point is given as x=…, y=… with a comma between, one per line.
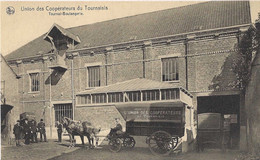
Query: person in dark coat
x=59, y=131
x=41, y=128
x=27, y=131
x=17, y=131
x=118, y=129
x=34, y=131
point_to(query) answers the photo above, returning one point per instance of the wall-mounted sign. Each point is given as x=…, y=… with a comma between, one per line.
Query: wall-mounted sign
x=151, y=113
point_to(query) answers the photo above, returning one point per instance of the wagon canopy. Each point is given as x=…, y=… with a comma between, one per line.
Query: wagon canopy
x=139, y=99
x=132, y=91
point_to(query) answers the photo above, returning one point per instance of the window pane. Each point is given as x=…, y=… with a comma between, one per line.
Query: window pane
x=99, y=98
x=35, y=82
x=134, y=96
x=115, y=97
x=94, y=76
x=168, y=94
x=169, y=69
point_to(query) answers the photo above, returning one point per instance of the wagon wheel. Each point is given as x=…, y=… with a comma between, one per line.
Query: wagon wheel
x=129, y=142
x=160, y=143
x=115, y=144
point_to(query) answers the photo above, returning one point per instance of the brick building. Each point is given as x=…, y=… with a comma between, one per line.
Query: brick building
x=10, y=108
x=190, y=47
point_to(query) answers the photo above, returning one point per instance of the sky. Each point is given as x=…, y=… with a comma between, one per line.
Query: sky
x=31, y=19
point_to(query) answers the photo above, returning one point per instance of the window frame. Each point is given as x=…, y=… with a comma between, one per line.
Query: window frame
x=30, y=80
x=171, y=56
x=61, y=109
x=87, y=66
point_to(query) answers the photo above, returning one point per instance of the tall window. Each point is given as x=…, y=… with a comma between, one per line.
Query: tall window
x=170, y=69
x=94, y=76
x=35, y=82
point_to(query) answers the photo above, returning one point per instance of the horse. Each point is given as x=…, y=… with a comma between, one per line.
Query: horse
x=82, y=129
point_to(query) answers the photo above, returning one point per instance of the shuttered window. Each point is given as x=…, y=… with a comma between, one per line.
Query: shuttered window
x=94, y=76
x=170, y=69
x=35, y=82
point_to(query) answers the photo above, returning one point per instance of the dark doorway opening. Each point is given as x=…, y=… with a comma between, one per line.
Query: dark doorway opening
x=229, y=107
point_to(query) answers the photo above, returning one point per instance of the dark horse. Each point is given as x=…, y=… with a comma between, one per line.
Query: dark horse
x=81, y=129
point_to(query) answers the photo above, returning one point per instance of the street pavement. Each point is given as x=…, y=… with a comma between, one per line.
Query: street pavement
x=35, y=151
x=52, y=150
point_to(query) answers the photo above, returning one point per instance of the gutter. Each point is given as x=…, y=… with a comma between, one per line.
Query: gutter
x=169, y=36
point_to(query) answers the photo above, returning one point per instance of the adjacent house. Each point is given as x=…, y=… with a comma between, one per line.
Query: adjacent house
x=10, y=105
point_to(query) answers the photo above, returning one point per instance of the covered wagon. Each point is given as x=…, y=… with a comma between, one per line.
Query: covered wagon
x=158, y=110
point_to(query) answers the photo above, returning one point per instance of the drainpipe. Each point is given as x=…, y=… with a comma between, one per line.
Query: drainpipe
x=72, y=85
x=50, y=107
x=186, y=63
x=106, y=67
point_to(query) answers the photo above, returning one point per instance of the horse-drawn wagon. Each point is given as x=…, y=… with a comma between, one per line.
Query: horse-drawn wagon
x=161, y=112
x=162, y=123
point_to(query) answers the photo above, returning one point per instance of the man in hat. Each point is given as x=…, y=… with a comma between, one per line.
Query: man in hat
x=27, y=131
x=17, y=131
x=118, y=129
x=41, y=128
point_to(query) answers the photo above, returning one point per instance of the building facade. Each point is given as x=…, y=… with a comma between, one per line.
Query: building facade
x=180, y=47
x=10, y=106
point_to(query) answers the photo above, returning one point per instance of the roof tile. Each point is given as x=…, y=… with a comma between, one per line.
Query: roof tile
x=207, y=15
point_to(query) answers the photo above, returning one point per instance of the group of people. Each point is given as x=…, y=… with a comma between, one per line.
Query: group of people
x=28, y=130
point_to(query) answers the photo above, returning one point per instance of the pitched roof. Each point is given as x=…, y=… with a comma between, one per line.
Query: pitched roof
x=3, y=61
x=63, y=31
x=131, y=85
x=202, y=16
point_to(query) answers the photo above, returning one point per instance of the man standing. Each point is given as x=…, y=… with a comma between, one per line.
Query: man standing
x=59, y=130
x=17, y=131
x=27, y=131
x=41, y=127
x=34, y=131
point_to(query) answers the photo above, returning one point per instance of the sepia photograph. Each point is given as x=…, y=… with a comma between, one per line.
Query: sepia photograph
x=130, y=80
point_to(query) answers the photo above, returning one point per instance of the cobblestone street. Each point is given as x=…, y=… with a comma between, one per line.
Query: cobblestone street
x=35, y=151
x=55, y=151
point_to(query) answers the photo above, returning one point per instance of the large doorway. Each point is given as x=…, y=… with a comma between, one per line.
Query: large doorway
x=229, y=107
x=63, y=110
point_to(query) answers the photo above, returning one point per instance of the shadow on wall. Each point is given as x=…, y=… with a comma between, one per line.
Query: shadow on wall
x=54, y=77
x=226, y=79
